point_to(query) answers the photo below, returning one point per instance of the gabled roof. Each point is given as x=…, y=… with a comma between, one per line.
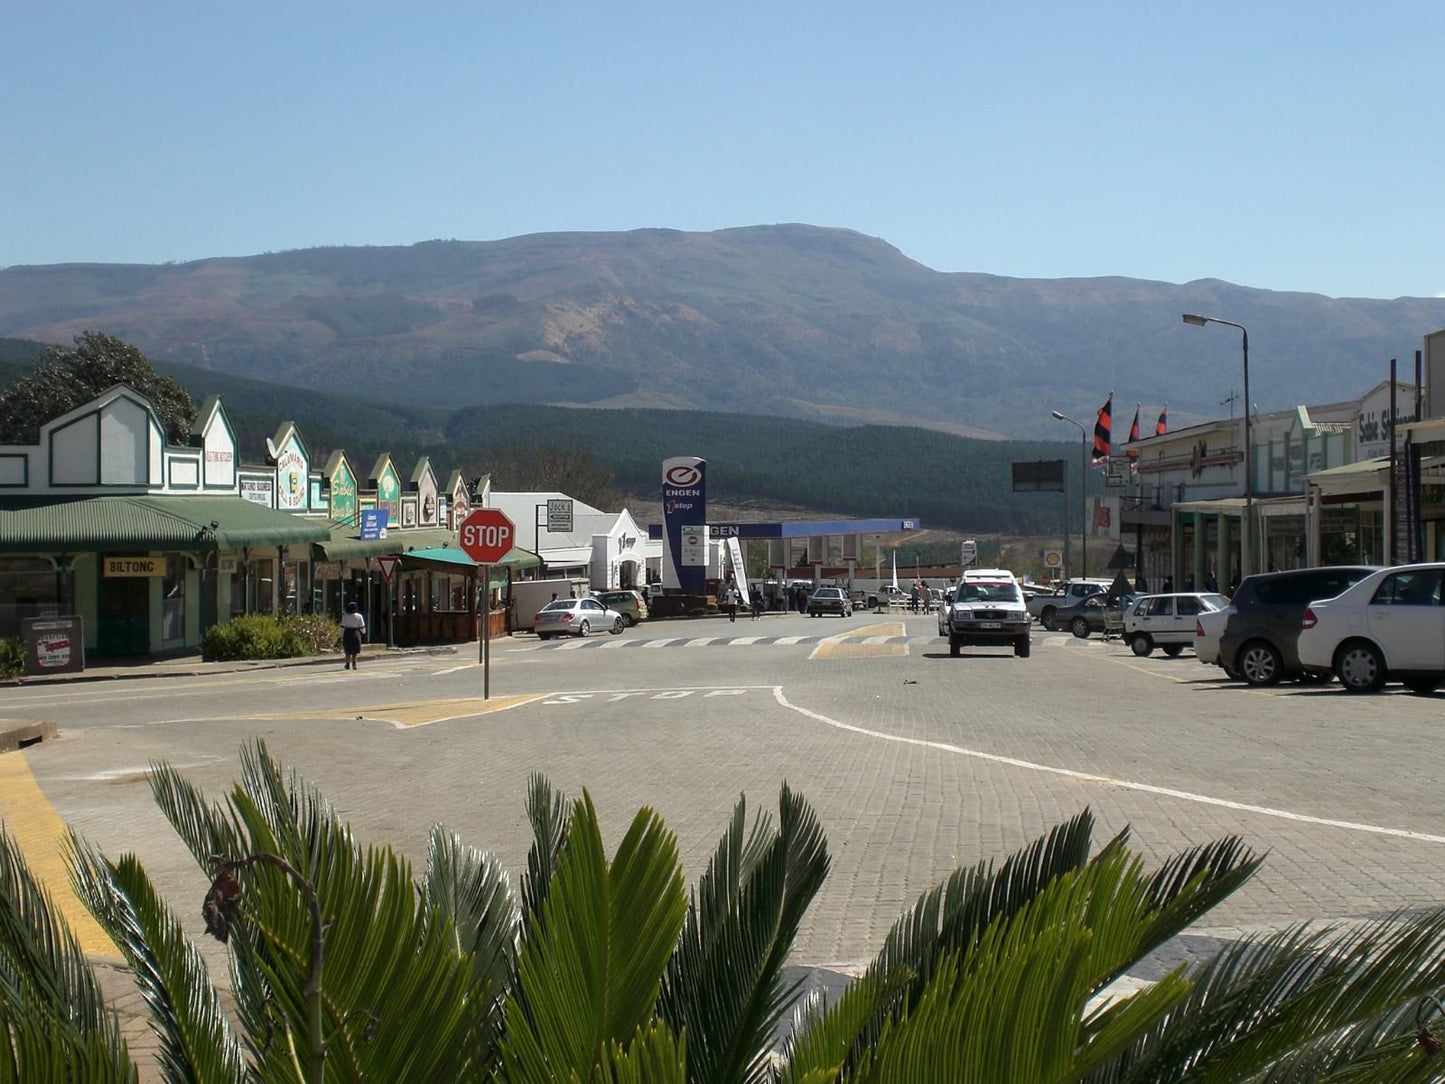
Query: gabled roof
x=286, y=430
x=421, y=470
x=210, y=407
x=334, y=460
x=379, y=467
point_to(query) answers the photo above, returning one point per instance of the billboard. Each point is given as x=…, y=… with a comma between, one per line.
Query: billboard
x=1039, y=476
x=684, y=505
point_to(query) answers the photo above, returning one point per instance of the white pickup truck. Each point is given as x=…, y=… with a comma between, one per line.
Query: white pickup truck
x=1043, y=606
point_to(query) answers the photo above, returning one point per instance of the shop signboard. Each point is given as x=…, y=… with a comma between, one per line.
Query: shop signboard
x=388, y=492
x=291, y=476
x=131, y=566
x=559, y=515
x=258, y=490
x=373, y=524
x=54, y=645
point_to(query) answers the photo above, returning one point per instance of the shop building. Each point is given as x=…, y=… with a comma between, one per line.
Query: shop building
x=151, y=543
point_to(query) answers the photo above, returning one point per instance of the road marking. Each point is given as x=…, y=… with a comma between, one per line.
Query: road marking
x=612, y=696
x=884, y=640
x=454, y=669
x=1109, y=781
x=37, y=830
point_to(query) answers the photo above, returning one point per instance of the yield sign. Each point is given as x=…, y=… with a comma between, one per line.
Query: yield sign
x=388, y=567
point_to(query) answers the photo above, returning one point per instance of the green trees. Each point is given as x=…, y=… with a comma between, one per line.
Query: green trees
x=69, y=376
x=347, y=967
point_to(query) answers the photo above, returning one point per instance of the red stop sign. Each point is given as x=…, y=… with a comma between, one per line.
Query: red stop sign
x=486, y=536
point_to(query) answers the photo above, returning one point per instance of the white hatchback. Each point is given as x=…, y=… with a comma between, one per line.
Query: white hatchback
x=1167, y=621
x=1389, y=626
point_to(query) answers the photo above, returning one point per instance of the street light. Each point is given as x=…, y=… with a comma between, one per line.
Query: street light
x=1083, y=477
x=1246, y=536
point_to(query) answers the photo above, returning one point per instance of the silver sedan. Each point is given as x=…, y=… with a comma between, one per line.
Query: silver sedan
x=575, y=617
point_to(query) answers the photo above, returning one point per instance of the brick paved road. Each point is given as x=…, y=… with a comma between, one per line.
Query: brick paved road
x=915, y=762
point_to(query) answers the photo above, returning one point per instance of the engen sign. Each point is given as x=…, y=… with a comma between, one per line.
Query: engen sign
x=684, y=519
x=486, y=536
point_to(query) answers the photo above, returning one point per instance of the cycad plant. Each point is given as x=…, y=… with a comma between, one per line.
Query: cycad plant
x=347, y=967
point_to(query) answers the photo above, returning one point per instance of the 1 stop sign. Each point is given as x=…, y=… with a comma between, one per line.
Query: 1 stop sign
x=486, y=536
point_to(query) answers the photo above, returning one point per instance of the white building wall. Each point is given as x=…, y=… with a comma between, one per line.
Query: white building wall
x=74, y=452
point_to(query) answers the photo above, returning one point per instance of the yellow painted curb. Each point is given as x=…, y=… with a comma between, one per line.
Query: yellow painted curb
x=38, y=831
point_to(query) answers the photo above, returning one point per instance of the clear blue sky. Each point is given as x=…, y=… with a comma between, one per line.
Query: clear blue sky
x=1283, y=145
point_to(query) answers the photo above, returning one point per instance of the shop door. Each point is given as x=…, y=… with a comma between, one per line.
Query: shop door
x=125, y=625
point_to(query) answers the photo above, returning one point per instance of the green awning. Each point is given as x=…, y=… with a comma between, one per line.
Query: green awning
x=92, y=524
x=345, y=543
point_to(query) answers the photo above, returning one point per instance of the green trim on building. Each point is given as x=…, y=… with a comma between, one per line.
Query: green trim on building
x=344, y=543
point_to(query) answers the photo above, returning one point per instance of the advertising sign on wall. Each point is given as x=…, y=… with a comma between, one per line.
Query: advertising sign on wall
x=53, y=645
x=258, y=490
x=291, y=489
x=684, y=504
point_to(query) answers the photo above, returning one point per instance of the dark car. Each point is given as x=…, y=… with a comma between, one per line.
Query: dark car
x=1087, y=615
x=1260, y=642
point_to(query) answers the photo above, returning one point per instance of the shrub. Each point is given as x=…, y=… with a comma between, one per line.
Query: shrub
x=310, y=634
x=12, y=658
x=262, y=636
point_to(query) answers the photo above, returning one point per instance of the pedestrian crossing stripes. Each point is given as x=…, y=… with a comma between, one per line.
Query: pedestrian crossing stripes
x=610, y=643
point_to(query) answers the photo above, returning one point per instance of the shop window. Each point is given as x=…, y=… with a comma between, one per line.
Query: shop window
x=263, y=587
x=28, y=588
x=173, y=600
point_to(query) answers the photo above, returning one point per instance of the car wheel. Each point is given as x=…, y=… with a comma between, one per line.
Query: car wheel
x=1173, y=650
x=1046, y=619
x=1080, y=628
x=618, y=626
x=1231, y=673
x=585, y=628
x=1021, y=647
x=1259, y=663
x=1422, y=685
x=629, y=619
x=1359, y=667
x=1142, y=644
x=544, y=636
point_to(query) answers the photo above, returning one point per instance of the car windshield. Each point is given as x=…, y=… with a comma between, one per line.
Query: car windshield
x=559, y=604
x=988, y=592
x=828, y=592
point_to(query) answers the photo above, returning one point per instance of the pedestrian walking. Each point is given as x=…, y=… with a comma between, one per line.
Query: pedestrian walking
x=757, y=603
x=729, y=600
x=353, y=628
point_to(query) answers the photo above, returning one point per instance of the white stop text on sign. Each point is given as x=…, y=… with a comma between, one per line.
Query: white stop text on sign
x=486, y=536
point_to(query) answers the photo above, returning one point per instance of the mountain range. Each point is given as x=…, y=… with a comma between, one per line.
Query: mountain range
x=791, y=320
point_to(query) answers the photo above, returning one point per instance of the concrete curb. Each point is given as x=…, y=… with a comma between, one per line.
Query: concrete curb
x=199, y=668
x=16, y=734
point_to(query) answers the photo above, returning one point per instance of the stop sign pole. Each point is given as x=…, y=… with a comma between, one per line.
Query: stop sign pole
x=486, y=537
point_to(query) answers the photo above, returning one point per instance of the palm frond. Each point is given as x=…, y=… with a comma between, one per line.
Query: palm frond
x=592, y=962
x=45, y=978
x=654, y=1056
x=473, y=891
x=724, y=985
x=197, y=1046
x=823, y=1038
x=1306, y=996
x=548, y=812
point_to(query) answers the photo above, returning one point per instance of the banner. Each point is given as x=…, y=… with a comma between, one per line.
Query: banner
x=740, y=570
x=684, y=504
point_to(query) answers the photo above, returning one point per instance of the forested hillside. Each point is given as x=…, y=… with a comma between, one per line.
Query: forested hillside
x=849, y=471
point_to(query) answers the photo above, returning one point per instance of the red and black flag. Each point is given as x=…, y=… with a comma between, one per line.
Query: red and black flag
x=1133, y=453
x=1102, y=428
x=1162, y=425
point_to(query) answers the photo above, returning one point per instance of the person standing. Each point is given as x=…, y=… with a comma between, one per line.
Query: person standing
x=353, y=628
x=729, y=600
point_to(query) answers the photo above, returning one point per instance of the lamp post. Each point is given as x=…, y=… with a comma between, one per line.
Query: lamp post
x=1083, y=478
x=1246, y=534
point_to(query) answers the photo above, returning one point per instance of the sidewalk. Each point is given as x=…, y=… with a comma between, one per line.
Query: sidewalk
x=195, y=666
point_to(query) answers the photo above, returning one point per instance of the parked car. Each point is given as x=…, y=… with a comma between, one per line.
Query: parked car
x=1388, y=627
x=1046, y=606
x=1087, y=615
x=887, y=595
x=829, y=600
x=989, y=613
x=1259, y=641
x=1167, y=621
x=1208, y=627
x=575, y=617
x=629, y=604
